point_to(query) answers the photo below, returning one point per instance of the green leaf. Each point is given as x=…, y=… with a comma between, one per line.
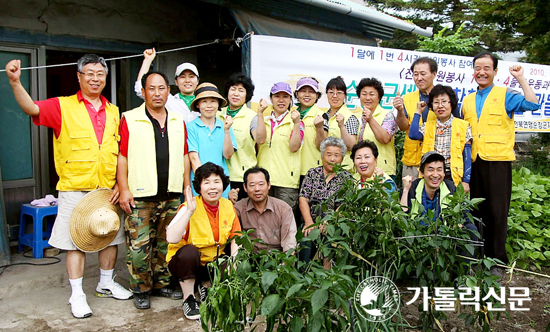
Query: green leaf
x=318, y=299
x=267, y=279
x=314, y=325
x=470, y=283
x=345, y=229
x=244, y=269
x=293, y=289
x=296, y=324
x=270, y=305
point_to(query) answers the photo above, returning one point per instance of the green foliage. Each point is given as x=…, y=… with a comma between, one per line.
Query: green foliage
x=445, y=17
x=510, y=25
x=529, y=219
x=442, y=42
x=369, y=235
x=502, y=25
x=484, y=281
x=537, y=159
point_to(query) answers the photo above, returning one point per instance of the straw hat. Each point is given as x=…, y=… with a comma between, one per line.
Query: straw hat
x=95, y=222
x=206, y=90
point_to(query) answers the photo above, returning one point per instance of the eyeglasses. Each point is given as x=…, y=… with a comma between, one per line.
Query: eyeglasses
x=90, y=74
x=337, y=93
x=441, y=102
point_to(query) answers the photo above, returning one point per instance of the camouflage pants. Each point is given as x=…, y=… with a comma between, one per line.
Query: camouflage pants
x=146, y=245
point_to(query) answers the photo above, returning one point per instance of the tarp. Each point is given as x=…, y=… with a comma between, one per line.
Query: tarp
x=275, y=59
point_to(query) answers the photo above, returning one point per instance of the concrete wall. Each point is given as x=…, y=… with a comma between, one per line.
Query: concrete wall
x=126, y=20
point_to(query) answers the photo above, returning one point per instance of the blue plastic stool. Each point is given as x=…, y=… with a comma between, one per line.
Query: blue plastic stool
x=38, y=239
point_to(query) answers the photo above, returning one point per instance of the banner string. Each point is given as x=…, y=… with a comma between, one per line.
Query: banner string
x=237, y=41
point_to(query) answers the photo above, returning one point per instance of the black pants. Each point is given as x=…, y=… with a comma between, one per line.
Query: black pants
x=492, y=180
x=186, y=264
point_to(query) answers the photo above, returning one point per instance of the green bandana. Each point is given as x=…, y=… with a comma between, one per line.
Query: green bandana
x=303, y=112
x=233, y=113
x=187, y=99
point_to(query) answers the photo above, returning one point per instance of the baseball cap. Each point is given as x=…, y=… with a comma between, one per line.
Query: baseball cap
x=307, y=81
x=186, y=66
x=429, y=157
x=281, y=87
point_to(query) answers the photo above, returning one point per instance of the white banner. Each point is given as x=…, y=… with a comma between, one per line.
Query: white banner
x=276, y=59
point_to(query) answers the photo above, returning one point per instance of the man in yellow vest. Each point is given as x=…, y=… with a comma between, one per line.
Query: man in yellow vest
x=490, y=112
x=152, y=167
x=85, y=146
x=424, y=71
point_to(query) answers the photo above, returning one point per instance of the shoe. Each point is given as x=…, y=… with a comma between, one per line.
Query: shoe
x=79, y=306
x=190, y=308
x=113, y=289
x=203, y=292
x=171, y=293
x=141, y=300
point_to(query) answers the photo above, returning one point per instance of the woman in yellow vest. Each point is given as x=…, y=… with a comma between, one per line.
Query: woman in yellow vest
x=280, y=153
x=377, y=124
x=365, y=157
x=339, y=121
x=307, y=93
x=199, y=233
x=248, y=131
x=447, y=135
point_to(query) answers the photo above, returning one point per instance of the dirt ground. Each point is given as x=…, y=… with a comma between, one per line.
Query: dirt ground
x=36, y=299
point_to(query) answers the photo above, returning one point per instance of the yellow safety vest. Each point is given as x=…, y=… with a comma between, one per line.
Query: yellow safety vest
x=334, y=131
x=80, y=161
x=142, y=162
x=245, y=156
x=386, y=152
x=412, y=149
x=311, y=156
x=494, y=132
x=458, y=141
x=200, y=231
x=275, y=156
x=417, y=201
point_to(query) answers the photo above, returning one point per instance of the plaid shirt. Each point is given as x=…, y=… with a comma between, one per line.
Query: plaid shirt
x=352, y=124
x=443, y=138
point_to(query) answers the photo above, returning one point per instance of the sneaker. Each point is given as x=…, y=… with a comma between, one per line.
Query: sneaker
x=203, y=292
x=141, y=301
x=171, y=293
x=113, y=289
x=79, y=306
x=190, y=308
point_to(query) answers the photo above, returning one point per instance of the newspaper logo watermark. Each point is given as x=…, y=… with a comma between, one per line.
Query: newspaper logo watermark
x=376, y=299
x=445, y=298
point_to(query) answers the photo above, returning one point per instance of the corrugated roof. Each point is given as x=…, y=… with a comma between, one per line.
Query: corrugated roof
x=339, y=15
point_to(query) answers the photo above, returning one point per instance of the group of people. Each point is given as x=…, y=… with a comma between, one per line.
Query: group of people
x=271, y=169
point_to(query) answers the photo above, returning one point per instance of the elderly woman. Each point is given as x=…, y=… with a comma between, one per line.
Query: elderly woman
x=365, y=157
x=377, y=124
x=320, y=186
x=339, y=121
x=239, y=89
x=199, y=233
